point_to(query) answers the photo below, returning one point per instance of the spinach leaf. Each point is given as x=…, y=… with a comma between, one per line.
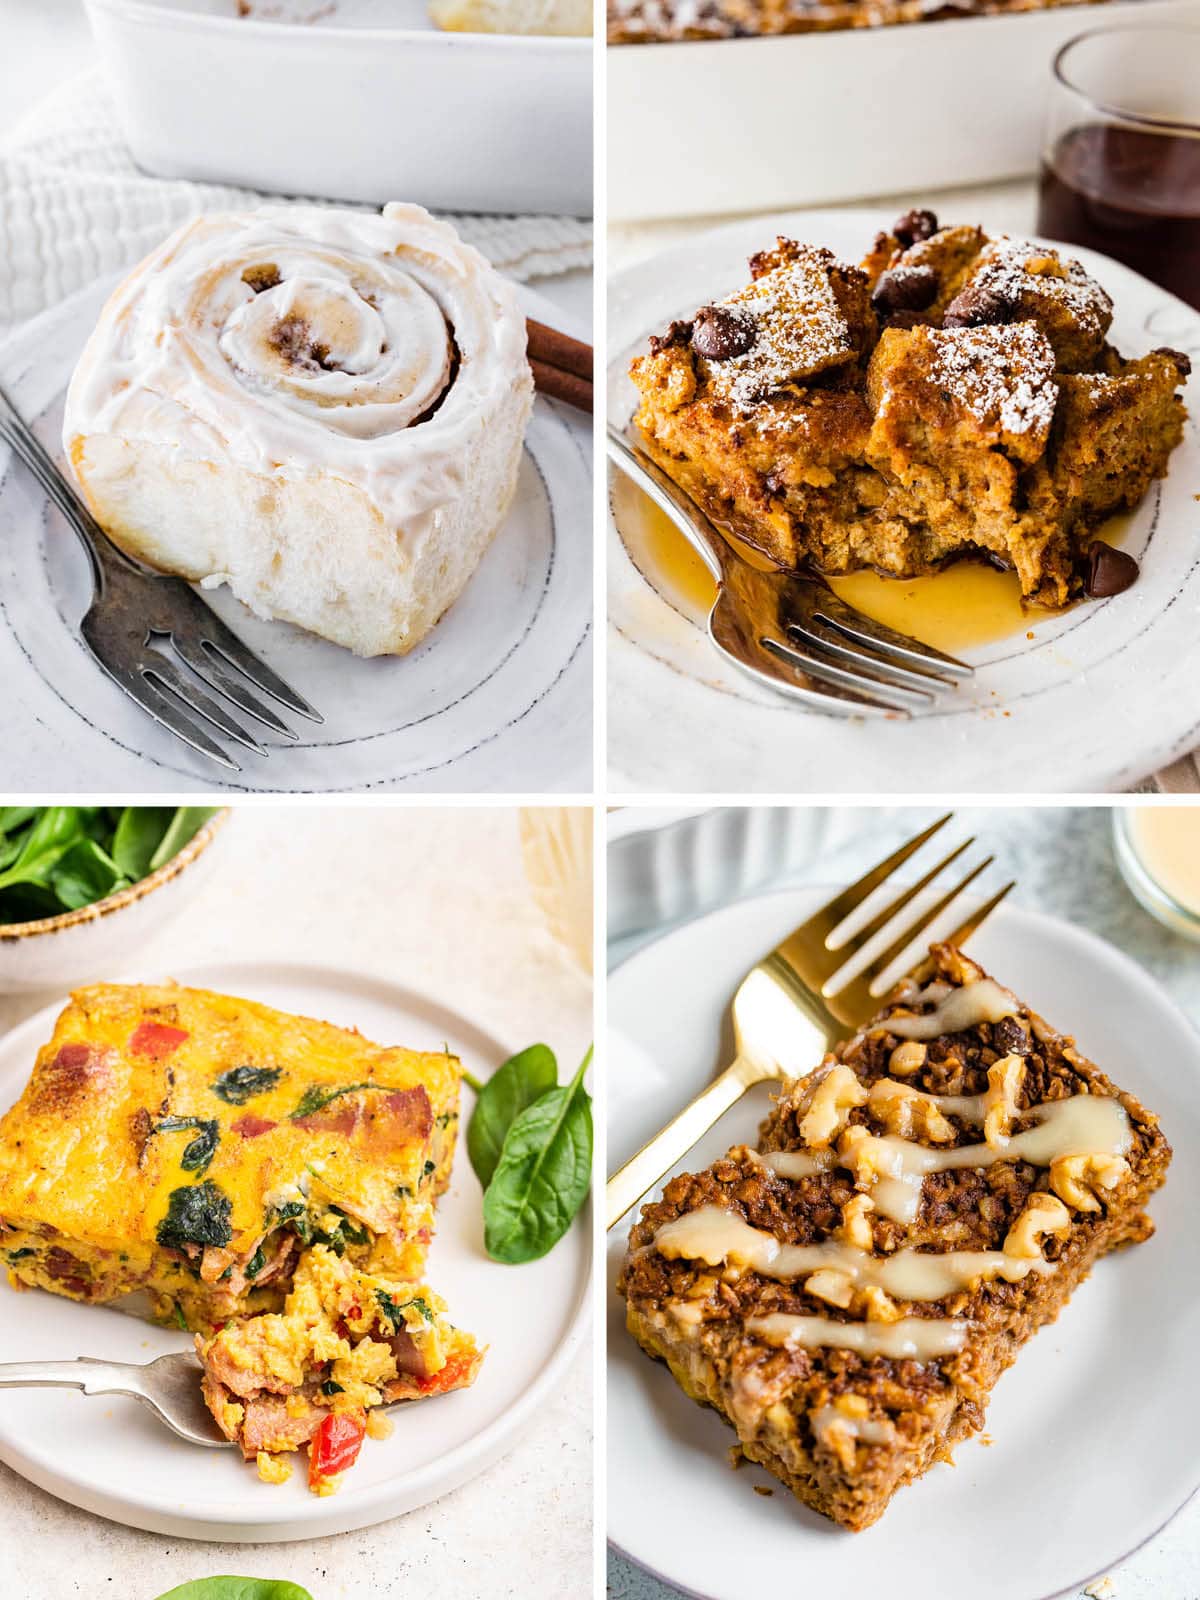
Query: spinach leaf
x=513, y=1087
x=198, y=1214
x=393, y=1310
x=48, y=840
x=85, y=874
x=184, y=825
x=198, y=1153
x=543, y=1175
x=138, y=835
x=237, y=1589
x=257, y=1261
x=316, y=1097
x=14, y=817
x=240, y=1084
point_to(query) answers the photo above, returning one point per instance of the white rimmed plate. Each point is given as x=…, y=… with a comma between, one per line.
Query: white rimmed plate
x=1094, y=1428
x=111, y=1457
x=1104, y=695
x=497, y=698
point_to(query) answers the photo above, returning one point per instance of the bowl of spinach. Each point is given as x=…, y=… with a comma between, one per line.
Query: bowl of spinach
x=81, y=887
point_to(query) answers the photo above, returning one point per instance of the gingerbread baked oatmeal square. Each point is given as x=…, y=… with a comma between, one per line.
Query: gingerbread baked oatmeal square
x=847, y=1295
x=953, y=397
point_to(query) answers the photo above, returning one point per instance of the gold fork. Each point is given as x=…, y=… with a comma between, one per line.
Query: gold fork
x=785, y=1015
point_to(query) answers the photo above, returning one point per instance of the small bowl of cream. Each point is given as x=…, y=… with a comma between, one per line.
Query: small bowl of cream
x=1158, y=852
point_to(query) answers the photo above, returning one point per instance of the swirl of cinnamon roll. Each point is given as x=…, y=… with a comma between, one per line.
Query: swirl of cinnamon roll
x=322, y=408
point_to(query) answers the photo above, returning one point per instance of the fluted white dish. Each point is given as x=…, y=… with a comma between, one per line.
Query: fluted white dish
x=366, y=101
x=666, y=863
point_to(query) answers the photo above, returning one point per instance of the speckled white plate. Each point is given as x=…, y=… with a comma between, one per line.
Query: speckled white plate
x=497, y=698
x=1105, y=694
x=109, y=1456
x=1095, y=1426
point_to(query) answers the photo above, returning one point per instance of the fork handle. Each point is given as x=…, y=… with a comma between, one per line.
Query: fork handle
x=670, y=499
x=630, y=1182
x=17, y=433
x=93, y=1377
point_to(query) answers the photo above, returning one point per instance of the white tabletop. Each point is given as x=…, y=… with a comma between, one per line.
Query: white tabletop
x=436, y=900
x=1063, y=862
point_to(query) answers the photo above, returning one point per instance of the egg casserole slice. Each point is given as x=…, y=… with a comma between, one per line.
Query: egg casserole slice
x=190, y=1146
x=347, y=1341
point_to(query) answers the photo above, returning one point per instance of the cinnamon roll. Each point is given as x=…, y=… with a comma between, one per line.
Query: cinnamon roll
x=323, y=409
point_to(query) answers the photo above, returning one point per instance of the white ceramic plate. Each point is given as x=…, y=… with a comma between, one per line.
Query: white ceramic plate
x=497, y=698
x=109, y=1455
x=1104, y=695
x=1094, y=1428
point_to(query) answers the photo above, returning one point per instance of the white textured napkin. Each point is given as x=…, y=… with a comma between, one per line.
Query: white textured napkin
x=73, y=207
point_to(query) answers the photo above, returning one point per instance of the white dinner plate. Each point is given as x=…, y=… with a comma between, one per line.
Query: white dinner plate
x=498, y=697
x=111, y=1457
x=1104, y=694
x=1094, y=1429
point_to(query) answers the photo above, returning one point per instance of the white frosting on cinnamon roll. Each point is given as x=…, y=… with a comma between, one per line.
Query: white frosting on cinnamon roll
x=322, y=408
x=293, y=339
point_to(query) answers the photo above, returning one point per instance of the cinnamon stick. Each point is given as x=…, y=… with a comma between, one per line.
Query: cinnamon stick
x=562, y=385
x=555, y=349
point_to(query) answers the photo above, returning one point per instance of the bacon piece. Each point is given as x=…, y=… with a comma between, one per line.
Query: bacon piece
x=269, y=1425
x=382, y=1125
x=156, y=1040
x=75, y=1073
x=250, y=1126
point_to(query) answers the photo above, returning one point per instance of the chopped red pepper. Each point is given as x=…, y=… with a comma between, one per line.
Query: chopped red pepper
x=335, y=1447
x=455, y=1373
x=250, y=1126
x=156, y=1040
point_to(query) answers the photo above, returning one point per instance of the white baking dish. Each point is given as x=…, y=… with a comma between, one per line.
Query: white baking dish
x=370, y=103
x=740, y=125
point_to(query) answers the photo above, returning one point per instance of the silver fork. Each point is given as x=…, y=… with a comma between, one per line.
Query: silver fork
x=170, y=1387
x=814, y=646
x=133, y=606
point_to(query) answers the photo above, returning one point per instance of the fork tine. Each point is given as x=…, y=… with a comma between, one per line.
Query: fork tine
x=163, y=672
x=834, y=611
x=166, y=712
x=839, y=908
x=859, y=941
x=213, y=632
x=822, y=635
x=971, y=925
x=892, y=694
x=831, y=698
x=858, y=990
x=206, y=664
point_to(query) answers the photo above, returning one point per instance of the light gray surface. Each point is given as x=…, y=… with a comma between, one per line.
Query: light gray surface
x=435, y=899
x=1063, y=861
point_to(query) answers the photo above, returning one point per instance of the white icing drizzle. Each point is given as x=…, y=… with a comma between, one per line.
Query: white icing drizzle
x=329, y=369
x=797, y=1163
x=965, y=1007
x=1081, y=1125
x=911, y=1338
x=719, y=1237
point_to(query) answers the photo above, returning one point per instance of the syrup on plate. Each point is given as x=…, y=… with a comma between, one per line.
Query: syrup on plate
x=966, y=605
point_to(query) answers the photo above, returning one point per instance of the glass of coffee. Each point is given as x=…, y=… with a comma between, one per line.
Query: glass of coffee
x=1121, y=159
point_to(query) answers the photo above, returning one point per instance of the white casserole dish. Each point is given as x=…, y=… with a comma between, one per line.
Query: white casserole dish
x=740, y=125
x=353, y=106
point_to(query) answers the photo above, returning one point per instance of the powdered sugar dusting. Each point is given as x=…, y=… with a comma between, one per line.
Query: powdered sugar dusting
x=1018, y=271
x=1002, y=376
x=799, y=331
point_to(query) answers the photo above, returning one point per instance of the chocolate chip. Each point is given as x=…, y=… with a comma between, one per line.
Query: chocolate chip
x=721, y=332
x=1109, y=571
x=977, y=307
x=905, y=289
x=914, y=225
x=677, y=333
x=1010, y=1038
